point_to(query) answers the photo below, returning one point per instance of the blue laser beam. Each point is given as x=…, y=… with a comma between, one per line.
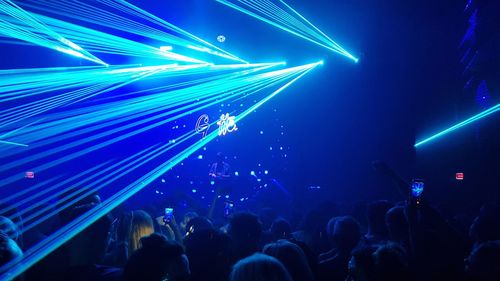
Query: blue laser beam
x=287, y=19
x=137, y=21
x=12, y=20
x=459, y=125
x=13, y=143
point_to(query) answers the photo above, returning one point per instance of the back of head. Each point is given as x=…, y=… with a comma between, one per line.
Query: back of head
x=259, y=267
x=362, y=265
x=483, y=262
x=245, y=231
x=153, y=261
x=89, y=246
x=375, y=215
x=280, y=229
x=141, y=226
x=8, y=249
x=203, y=247
x=197, y=224
x=397, y=225
x=346, y=233
x=9, y=228
x=292, y=257
x=486, y=226
x=185, y=220
x=391, y=263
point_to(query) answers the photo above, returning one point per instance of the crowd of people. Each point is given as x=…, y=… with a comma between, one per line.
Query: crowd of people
x=388, y=241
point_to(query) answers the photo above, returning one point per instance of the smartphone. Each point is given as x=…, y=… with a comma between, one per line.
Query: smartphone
x=417, y=189
x=228, y=208
x=169, y=215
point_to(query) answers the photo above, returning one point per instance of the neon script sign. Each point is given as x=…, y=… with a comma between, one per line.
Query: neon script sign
x=226, y=124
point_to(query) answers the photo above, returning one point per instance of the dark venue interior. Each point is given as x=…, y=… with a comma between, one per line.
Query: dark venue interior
x=249, y=140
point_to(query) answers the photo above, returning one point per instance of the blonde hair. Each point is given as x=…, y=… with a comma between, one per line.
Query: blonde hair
x=141, y=225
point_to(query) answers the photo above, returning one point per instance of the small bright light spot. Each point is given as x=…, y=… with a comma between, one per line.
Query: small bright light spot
x=252, y=173
x=212, y=182
x=166, y=48
x=261, y=132
x=221, y=38
x=227, y=196
x=236, y=173
x=200, y=157
x=259, y=180
x=242, y=199
x=266, y=172
x=193, y=191
x=163, y=180
x=157, y=192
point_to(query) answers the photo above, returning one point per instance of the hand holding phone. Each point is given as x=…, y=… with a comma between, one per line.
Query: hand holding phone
x=169, y=215
x=416, y=191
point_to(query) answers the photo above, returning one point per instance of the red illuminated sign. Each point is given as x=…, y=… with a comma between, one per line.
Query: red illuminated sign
x=29, y=175
x=459, y=176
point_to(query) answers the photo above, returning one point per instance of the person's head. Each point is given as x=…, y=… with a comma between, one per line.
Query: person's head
x=9, y=228
x=375, y=215
x=185, y=219
x=391, y=263
x=344, y=233
x=292, y=257
x=89, y=246
x=9, y=250
x=197, y=224
x=141, y=225
x=205, y=246
x=396, y=223
x=361, y=265
x=259, y=267
x=245, y=231
x=158, y=259
x=483, y=263
x=486, y=226
x=280, y=229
